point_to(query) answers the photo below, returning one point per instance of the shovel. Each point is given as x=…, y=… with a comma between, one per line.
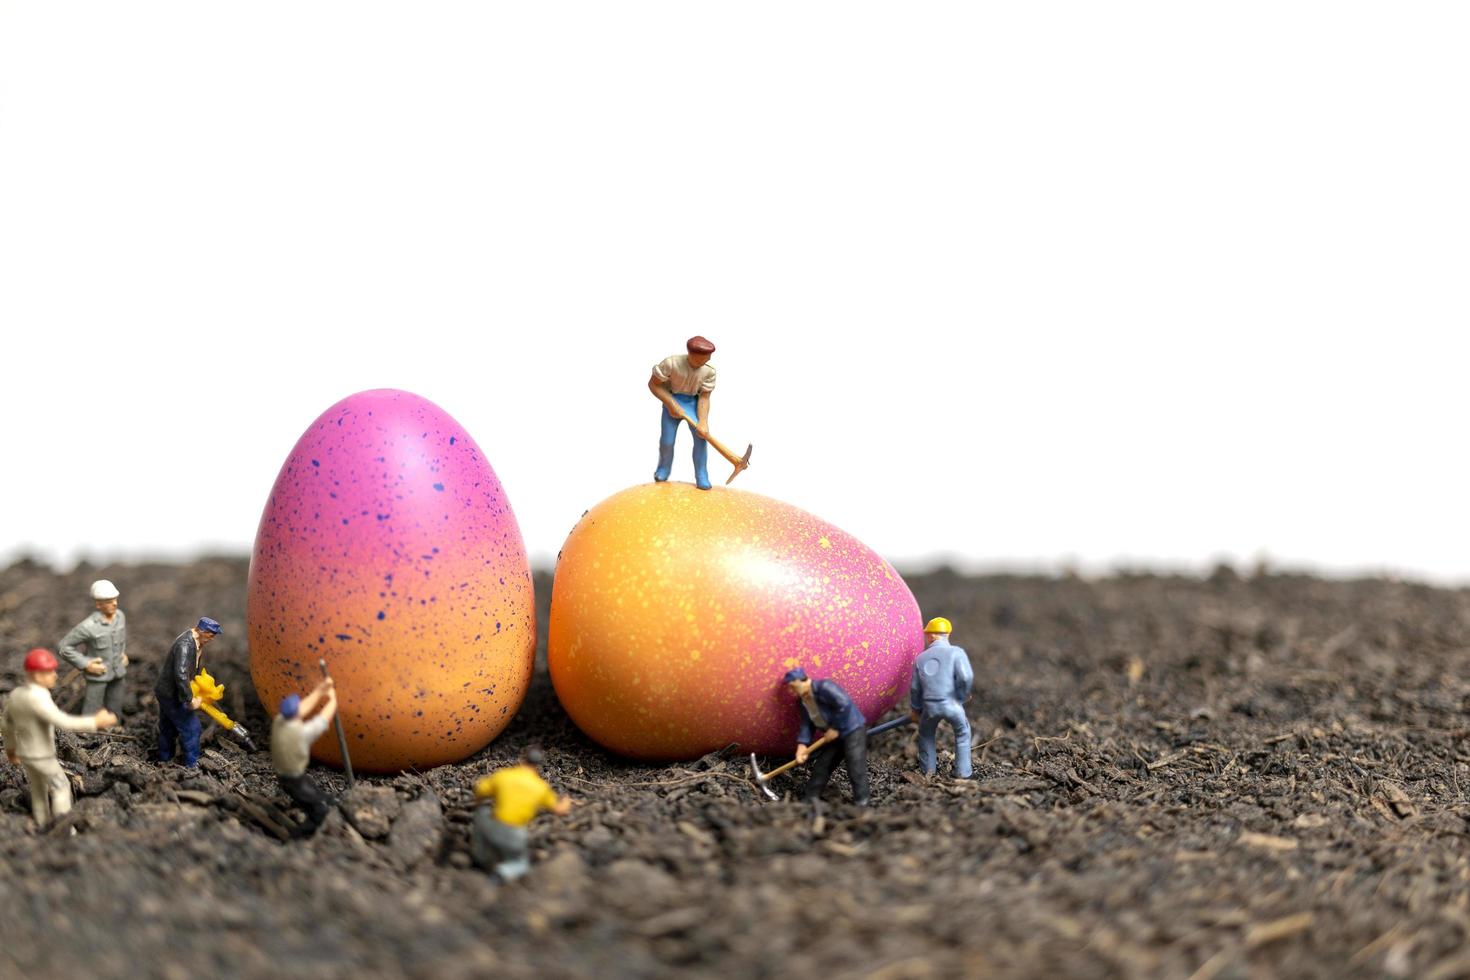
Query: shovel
x=761, y=778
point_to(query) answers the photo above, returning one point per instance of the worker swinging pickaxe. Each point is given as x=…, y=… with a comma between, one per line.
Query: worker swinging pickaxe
x=761, y=778
x=683, y=383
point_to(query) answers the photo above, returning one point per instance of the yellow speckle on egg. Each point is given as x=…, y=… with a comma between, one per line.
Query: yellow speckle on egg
x=825, y=543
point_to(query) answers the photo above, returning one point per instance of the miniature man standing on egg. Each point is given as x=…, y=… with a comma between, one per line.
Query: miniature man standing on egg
x=98, y=646
x=176, y=700
x=683, y=382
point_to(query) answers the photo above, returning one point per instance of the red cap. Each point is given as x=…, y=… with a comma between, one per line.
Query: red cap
x=39, y=661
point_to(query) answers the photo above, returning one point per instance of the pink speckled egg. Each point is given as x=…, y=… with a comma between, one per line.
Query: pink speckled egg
x=676, y=611
x=388, y=548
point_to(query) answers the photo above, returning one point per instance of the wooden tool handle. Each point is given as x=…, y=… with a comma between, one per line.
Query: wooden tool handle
x=827, y=736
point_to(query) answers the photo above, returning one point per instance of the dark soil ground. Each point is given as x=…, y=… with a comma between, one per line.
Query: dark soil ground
x=1232, y=777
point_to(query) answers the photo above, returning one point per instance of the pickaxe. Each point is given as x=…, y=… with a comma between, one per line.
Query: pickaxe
x=739, y=462
x=761, y=778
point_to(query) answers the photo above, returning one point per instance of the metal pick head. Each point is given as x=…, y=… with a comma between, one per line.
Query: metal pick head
x=760, y=778
x=743, y=464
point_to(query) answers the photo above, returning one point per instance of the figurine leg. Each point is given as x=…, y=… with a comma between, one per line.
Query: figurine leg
x=955, y=715
x=40, y=794
x=167, y=730
x=500, y=848
x=823, y=763
x=667, y=433
x=928, y=730
x=307, y=795
x=855, y=754
x=701, y=462
x=112, y=700
x=690, y=404
x=95, y=698
x=189, y=731
x=50, y=790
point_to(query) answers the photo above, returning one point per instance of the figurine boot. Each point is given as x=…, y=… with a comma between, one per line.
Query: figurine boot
x=701, y=462
x=665, y=461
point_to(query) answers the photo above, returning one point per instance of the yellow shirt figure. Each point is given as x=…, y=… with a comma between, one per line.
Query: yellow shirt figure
x=519, y=794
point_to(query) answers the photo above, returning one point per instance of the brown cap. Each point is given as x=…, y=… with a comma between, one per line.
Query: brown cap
x=699, y=345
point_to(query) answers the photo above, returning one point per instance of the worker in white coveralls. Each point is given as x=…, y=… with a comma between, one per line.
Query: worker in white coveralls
x=29, y=727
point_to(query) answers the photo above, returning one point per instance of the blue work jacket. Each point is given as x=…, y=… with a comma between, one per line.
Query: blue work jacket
x=835, y=706
x=941, y=673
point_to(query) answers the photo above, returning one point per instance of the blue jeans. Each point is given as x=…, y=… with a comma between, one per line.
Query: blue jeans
x=179, y=721
x=670, y=431
x=954, y=713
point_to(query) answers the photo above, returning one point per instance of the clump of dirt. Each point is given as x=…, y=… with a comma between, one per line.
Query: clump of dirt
x=1175, y=777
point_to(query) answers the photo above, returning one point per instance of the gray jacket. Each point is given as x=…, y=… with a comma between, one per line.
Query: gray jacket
x=93, y=637
x=941, y=673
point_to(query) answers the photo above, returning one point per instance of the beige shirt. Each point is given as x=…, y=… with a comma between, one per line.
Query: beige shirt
x=30, y=721
x=809, y=699
x=683, y=379
x=291, y=740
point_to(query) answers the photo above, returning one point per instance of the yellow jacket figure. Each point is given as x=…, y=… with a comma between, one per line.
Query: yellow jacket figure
x=509, y=799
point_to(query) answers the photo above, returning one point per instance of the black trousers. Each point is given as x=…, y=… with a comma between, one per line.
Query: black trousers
x=303, y=789
x=853, y=749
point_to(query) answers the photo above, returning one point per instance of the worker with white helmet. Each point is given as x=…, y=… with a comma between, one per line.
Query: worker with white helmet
x=98, y=646
x=940, y=688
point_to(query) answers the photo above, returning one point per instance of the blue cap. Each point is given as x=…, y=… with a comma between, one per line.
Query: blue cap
x=794, y=674
x=207, y=625
x=290, y=706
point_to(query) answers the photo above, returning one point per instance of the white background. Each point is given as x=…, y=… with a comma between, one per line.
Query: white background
x=1019, y=285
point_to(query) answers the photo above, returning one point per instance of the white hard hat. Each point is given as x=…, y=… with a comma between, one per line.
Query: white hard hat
x=103, y=589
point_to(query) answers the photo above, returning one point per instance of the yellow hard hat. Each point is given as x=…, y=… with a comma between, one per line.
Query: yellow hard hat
x=938, y=625
x=482, y=788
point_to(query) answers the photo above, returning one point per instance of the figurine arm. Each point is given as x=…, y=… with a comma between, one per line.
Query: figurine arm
x=309, y=703
x=703, y=413
x=313, y=729
x=916, y=691
x=804, y=734
x=47, y=710
x=964, y=677
x=840, y=702
x=329, y=709
x=177, y=655
x=661, y=391
x=73, y=646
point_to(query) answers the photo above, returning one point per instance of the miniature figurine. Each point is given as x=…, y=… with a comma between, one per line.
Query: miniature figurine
x=822, y=704
x=98, y=646
x=941, y=686
x=684, y=382
x=291, y=738
x=499, y=839
x=29, y=724
x=177, y=701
